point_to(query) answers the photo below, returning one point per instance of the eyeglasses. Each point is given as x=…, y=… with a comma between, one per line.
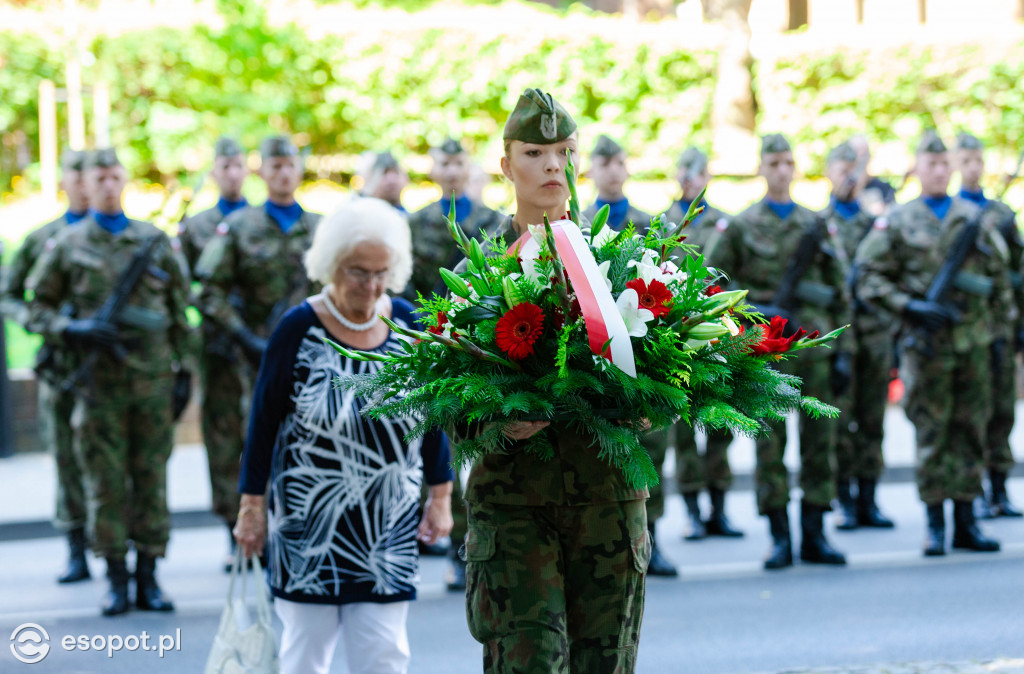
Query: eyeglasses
x=363, y=277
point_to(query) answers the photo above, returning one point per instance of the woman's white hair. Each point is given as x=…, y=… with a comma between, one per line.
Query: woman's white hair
x=360, y=220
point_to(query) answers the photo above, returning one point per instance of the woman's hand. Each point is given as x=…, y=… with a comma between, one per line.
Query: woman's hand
x=251, y=528
x=437, y=514
x=523, y=430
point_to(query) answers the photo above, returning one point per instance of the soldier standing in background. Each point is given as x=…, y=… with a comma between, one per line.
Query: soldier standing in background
x=385, y=179
x=760, y=249
x=693, y=471
x=126, y=392
x=609, y=173
x=999, y=461
x=54, y=405
x=859, y=438
x=946, y=352
x=876, y=196
x=223, y=393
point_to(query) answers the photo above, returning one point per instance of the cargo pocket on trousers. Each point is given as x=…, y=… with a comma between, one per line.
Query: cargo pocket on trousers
x=633, y=586
x=488, y=609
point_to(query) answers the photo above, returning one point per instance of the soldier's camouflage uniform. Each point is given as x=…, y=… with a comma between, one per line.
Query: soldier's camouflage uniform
x=122, y=423
x=249, y=270
x=949, y=391
x=556, y=553
x=755, y=250
x=860, y=424
x=223, y=389
x=54, y=407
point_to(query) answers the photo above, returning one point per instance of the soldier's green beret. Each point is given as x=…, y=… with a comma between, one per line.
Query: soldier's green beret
x=775, y=142
x=693, y=159
x=278, y=146
x=966, y=141
x=538, y=118
x=384, y=161
x=103, y=158
x=931, y=143
x=450, y=147
x=226, y=147
x=842, y=152
x=606, y=147
x=73, y=160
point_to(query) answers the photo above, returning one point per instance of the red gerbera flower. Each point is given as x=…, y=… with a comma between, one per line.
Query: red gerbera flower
x=655, y=296
x=442, y=320
x=518, y=329
x=773, y=341
x=712, y=290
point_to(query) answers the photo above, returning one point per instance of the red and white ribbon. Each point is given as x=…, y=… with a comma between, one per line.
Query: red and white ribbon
x=601, y=316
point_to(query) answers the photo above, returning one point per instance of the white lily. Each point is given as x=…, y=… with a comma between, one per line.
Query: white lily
x=604, y=268
x=635, y=318
x=538, y=233
x=648, y=269
x=604, y=236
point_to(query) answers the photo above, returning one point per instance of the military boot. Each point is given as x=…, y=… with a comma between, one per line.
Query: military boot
x=78, y=568
x=847, y=506
x=781, y=554
x=697, y=530
x=659, y=566
x=814, y=548
x=115, y=601
x=1000, y=502
x=966, y=534
x=935, y=535
x=455, y=576
x=868, y=514
x=718, y=524
x=148, y=595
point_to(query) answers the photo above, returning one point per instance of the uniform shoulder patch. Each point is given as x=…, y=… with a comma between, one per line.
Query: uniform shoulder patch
x=722, y=224
x=176, y=245
x=223, y=228
x=50, y=244
x=882, y=223
x=833, y=229
x=181, y=228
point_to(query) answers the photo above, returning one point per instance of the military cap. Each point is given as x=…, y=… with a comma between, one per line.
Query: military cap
x=538, y=118
x=842, y=152
x=450, y=147
x=931, y=143
x=73, y=160
x=606, y=147
x=692, y=158
x=775, y=142
x=103, y=158
x=966, y=141
x=226, y=147
x=278, y=146
x=384, y=161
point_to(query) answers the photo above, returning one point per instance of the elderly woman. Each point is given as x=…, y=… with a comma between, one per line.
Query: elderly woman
x=344, y=489
x=557, y=549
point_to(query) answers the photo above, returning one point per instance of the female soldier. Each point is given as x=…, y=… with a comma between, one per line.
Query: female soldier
x=557, y=549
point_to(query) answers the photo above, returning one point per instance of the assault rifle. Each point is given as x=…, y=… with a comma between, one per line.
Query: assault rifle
x=792, y=290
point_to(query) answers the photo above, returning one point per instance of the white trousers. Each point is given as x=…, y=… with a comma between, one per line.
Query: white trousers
x=373, y=636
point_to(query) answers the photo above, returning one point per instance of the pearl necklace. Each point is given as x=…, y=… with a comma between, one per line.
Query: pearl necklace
x=338, y=316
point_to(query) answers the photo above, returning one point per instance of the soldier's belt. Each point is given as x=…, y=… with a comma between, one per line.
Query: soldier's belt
x=818, y=294
x=1016, y=280
x=973, y=284
x=143, y=319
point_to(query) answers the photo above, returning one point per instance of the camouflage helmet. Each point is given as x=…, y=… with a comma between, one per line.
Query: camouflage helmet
x=775, y=142
x=278, y=146
x=606, y=147
x=692, y=158
x=73, y=160
x=538, y=118
x=966, y=141
x=102, y=158
x=843, y=152
x=226, y=147
x=384, y=161
x=450, y=147
x=931, y=143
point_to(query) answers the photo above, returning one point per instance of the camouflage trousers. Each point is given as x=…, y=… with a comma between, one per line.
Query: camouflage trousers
x=860, y=426
x=123, y=439
x=949, y=402
x=459, y=512
x=226, y=388
x=817, y=446
x=998, y=455
x=54, y=416
x=696, y=471
x=656, y=444
x=557, y=588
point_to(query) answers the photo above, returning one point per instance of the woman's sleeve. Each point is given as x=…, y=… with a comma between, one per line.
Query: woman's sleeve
x=437, y=458
x=271, y=398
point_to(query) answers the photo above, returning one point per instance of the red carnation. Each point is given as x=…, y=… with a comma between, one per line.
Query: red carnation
x=773, y=341
x=712, y=290
x=518, y=329
x=655, y=296
x=442, y=320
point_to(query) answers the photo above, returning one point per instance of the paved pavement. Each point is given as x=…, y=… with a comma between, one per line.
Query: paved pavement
x=724, y=615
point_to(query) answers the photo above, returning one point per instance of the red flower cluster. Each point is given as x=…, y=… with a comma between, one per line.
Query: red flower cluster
x=655, y=296
x=442, y=320
x=772, y=341
x=518, y=329
x=712, y=290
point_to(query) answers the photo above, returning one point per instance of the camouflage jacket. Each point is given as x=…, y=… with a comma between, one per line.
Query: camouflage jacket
x=433, y=246
x=904, y=251
x=81, y=265
x=641, y=221
x=755, y=251
x=708, y=228
x=251, y=270
x=12, y=295
x=1003, y=219
x=197, y=231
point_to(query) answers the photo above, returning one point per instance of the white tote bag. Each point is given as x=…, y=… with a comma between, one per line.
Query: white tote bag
x=245, y=650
